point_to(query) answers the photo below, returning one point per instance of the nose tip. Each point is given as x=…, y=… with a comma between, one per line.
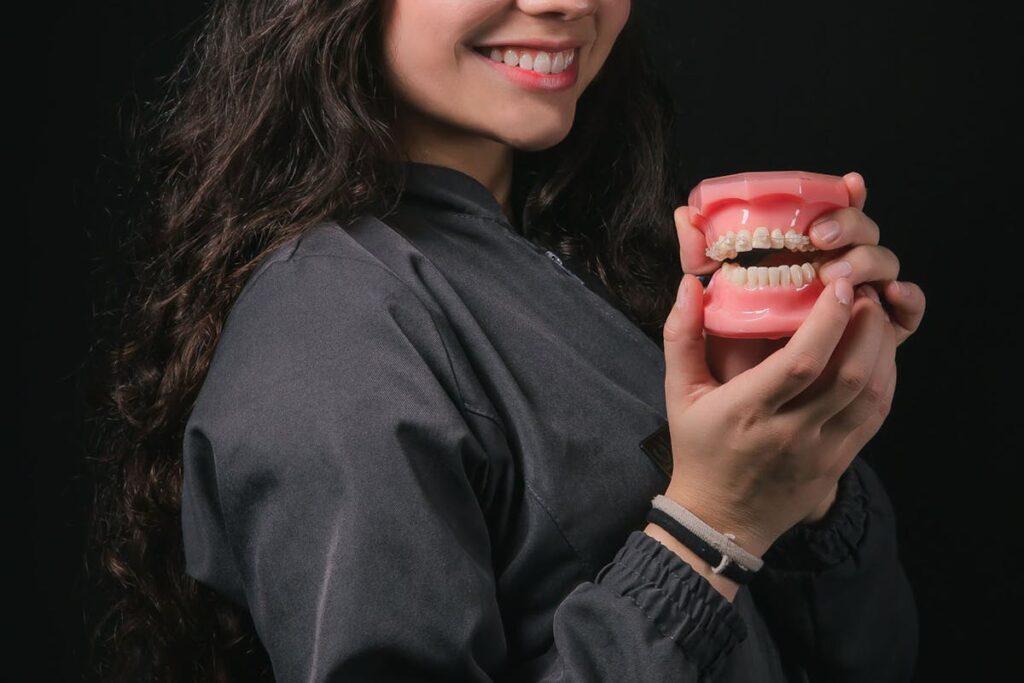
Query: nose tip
x=569, y=8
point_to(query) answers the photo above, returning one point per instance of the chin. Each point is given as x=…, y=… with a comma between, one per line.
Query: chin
x=536, y=138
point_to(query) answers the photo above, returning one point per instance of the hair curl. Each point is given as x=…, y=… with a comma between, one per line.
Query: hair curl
x=278, y=116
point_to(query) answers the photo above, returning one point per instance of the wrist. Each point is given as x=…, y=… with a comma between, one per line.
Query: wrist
x=819, y=513
x=724, y=585
x=746, y=536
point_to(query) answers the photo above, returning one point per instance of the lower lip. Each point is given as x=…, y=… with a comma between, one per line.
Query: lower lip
x=531, y=80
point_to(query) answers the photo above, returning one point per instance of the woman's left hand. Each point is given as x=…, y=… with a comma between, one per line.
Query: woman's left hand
x=855, y=243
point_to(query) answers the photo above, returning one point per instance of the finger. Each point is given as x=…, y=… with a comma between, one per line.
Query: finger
x=686, y=371
x=907, y=304
x=842, y=227
x=858, y=189
x=867, y=431
x=863, y=263
x=692, y=245
x=728, y=357
x=871, y=405
x=791, y=369
x=848, y=370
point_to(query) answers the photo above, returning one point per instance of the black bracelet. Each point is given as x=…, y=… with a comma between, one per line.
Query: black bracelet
x=704, y=551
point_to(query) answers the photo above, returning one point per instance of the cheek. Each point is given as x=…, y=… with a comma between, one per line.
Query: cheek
x=610, y=21
x=423, y=54
x=613, y=16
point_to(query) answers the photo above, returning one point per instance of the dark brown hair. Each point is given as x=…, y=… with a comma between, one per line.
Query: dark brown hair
x=278, y=116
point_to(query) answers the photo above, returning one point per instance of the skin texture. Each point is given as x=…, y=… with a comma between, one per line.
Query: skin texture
x=455, y=110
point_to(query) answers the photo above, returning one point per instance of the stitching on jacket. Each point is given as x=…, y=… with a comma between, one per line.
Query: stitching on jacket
x=554, y=520
x=668, y=595
x=671, y=572
x=643, y=611
x=498, y=423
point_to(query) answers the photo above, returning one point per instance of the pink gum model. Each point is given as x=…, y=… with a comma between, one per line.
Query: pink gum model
x=764, y=213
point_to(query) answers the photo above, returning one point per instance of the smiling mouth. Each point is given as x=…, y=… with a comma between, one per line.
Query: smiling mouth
x=767, y=258
x=530, y=59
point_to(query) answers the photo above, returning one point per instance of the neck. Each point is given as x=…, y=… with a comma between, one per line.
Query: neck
x=430, y=141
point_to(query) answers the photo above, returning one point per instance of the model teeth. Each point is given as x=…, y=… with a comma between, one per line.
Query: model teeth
x=734, y=242
x=760, y=277
x=760, y=239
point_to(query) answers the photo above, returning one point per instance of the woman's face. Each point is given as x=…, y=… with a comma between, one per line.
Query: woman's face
x=434, y=58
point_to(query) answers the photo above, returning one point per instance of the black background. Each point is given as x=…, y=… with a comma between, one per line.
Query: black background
x=914, y=97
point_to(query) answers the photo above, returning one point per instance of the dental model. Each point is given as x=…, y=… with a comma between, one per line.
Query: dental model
x=756, y=223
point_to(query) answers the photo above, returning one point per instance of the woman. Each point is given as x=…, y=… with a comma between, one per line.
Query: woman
x=399, y=435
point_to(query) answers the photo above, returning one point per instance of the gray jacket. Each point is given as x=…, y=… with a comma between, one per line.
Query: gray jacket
x=417, y=455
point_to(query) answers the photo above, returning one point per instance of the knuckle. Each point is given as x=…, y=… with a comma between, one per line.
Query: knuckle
x=895, y=260
x=804, y=367
x=876, y=231
x=671, y=331
x=852, y=377
x=884, y=407
x=875, y=393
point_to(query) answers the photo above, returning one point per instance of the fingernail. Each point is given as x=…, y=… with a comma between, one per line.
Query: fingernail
x=826, y=232
x=903, y=289
x=836, y=270
x=844, y=290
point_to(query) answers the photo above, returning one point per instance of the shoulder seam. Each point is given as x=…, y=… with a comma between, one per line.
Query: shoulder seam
x=292, y=257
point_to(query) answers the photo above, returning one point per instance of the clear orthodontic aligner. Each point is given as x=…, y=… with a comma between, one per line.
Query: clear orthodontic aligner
x=735, y=241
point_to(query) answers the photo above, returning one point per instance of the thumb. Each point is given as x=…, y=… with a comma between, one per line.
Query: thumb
x=687, y=376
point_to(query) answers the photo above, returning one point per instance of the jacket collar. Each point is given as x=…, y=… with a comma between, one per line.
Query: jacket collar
x=452, y=190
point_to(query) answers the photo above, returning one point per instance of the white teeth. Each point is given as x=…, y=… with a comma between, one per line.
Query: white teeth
x=791, y=239
x=796, y=275
x=542, y=62
x=558, y=63
x=758, y=277
x=743, y=241
x=760, y=239
x=733, y=242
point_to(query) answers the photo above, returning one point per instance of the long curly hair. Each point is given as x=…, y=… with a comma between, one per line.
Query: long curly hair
x=277, y=117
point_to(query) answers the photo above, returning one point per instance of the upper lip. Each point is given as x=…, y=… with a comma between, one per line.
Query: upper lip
x=536, y=43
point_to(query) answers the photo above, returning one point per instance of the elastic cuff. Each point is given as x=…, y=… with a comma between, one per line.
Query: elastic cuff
x=815, y=547
x=683, y=605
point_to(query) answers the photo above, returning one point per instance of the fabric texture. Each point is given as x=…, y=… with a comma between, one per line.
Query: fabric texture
x=416, y=456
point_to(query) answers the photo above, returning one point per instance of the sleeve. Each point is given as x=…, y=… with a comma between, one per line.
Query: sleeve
x=835, y=593
x=343, y=475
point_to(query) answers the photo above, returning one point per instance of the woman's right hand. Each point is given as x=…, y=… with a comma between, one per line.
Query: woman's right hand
x=756, y=454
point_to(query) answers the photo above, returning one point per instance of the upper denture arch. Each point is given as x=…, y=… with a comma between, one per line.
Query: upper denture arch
x=762, y=237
